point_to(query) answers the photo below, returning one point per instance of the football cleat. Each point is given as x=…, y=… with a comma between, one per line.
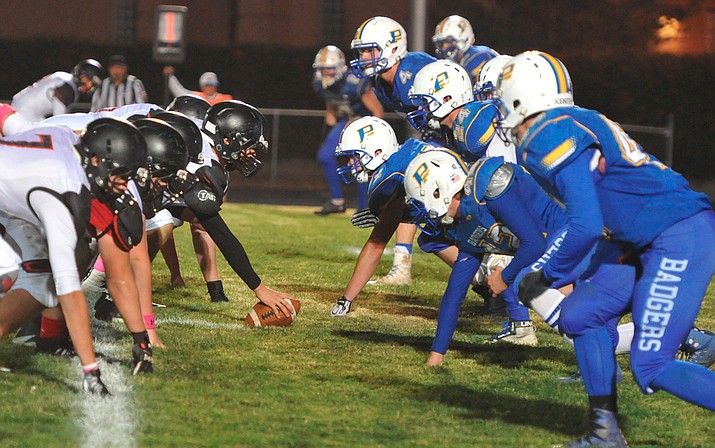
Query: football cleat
x=142, y=359
x=29, y=332
x=604, y=432
x=105, y=309
x=342, y=308
x=516, y=332
x=329, y=208
x=698, y=348
x=400, y=272
x=216, y=291
x=92, y=384
x=56, y=346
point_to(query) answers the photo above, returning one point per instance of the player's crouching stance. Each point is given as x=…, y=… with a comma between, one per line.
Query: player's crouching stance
x=605, y=180
x=236, y=130
x=44, y=210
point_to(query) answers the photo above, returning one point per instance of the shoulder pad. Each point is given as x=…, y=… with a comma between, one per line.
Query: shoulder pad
x=500, y=181
x=483, y=171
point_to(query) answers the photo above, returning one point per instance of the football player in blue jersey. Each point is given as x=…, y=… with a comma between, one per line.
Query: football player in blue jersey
x=454, y=40
x=380, y=50
x=371, y=153
x=497, y=207
x=346, y=96
x=658, y=256
x=443, y=93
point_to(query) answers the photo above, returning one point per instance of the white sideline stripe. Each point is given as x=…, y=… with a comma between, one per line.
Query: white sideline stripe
x=356, y=250
x=109, y=421
x=199, y=323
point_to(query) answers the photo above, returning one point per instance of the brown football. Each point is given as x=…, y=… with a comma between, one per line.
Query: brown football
x=262, y=315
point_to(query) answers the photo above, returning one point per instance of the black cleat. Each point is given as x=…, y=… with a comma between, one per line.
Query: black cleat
x=329, y=208
x=105, y=309
x=56, y=346
x=604, y=432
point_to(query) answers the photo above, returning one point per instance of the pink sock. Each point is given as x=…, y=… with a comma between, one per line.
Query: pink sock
x=99, y=264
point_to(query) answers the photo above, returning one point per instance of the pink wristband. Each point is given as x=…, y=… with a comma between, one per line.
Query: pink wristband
x=90, y=367
x=150, y=321
x=5, y=111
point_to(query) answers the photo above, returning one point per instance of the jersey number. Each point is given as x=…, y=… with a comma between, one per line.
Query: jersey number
x=630, y=149
x=45, y=142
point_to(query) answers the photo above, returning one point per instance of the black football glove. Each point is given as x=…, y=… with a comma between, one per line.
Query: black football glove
x=532, y=286
x=364, y=219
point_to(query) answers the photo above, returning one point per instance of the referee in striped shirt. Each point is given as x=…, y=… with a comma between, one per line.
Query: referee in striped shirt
x=120, y=88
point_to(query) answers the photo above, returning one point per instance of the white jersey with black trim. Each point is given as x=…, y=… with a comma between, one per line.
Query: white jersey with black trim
x=79, y=121
x=42, y=157
x=49, y=96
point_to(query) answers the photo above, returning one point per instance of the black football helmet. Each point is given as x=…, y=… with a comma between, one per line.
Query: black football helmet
x=167, y=158
x=192, y=106
x=188, y=129
x=119, y=148
x=90, y=68
x=237, y=130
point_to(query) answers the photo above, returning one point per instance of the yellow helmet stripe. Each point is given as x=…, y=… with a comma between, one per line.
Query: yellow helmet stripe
x=441, y=25
x=358, y=33
x=323, y=54
x=560, y=72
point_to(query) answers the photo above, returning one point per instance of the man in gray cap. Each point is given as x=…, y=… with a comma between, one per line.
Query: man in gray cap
x=208, y=82
x=120, y=88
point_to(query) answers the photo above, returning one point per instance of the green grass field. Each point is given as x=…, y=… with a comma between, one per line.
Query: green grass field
x=358, y=381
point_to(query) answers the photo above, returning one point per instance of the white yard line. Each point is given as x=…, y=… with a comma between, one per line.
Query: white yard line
x=109, y=421
x=199, y=323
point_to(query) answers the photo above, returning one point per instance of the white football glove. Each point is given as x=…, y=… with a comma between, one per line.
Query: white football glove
x=489, y=262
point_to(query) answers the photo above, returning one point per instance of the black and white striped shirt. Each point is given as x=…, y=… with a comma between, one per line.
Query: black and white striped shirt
x=131, y=91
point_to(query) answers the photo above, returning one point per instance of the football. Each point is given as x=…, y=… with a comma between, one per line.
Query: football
x=262, y=315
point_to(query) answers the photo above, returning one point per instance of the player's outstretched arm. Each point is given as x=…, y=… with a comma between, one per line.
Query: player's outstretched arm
x=370, y=255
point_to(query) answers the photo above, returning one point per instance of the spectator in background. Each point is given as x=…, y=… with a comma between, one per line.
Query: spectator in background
x=120, y=88
x=208, y=83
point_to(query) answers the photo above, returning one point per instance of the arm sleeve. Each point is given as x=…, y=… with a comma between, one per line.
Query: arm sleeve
x=459, y=280
x=230, y=247
x=509, y=209
x=61, y=235
x=585, y=221
x=176, y=88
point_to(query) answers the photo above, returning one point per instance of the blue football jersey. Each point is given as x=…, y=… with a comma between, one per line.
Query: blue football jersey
x=345, y=95
x=474, y=59
x=388, y=180
x=635, y=196
x=394, y=98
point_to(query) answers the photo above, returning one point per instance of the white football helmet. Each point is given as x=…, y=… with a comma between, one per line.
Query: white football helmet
x=431, y=180
x=365, y=144
x=453, y=36
x=329, y=65
x=439, y=88
x=385, y=39
x=530, y=83
x=487, y=80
